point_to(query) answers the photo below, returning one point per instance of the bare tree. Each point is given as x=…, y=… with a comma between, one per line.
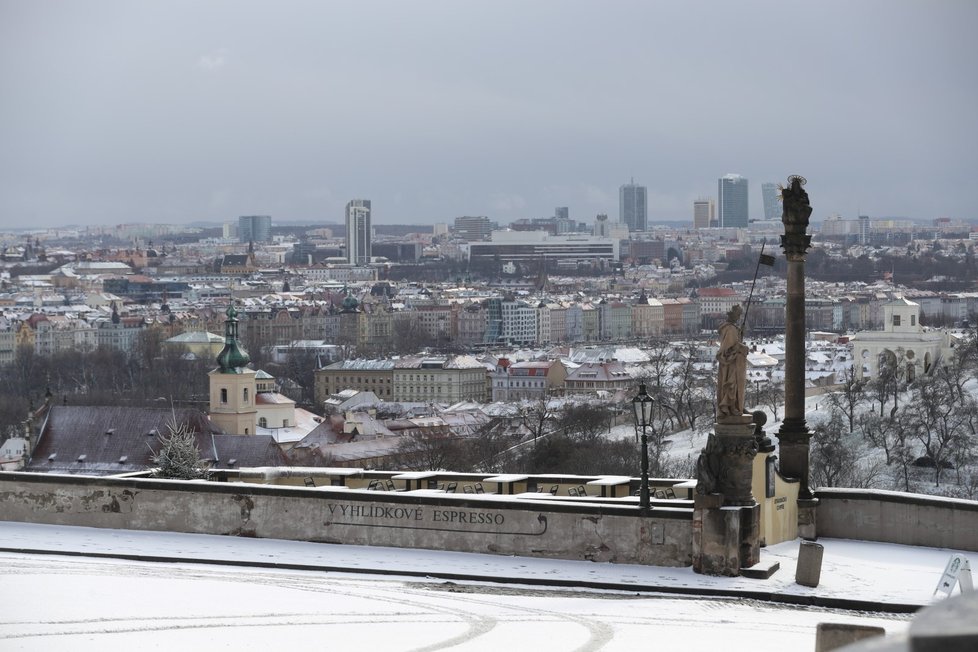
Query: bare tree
x=430, y=450
x=772, y=397
x=941, y=422
x=883, y=385
x=487, y=450
x=538, y=418
x=881, y=432
x=836, y=458
x=586, y=422
x=849, y=397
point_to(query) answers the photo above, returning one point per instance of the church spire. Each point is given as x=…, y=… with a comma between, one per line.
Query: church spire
x=232, y=357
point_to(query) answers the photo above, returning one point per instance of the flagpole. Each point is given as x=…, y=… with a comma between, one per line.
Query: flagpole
x=753, y=283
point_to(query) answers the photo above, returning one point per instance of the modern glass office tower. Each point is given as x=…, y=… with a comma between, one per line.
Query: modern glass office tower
x=632, y=207
x=255, y=228
x=358, y=232
x=732, y=202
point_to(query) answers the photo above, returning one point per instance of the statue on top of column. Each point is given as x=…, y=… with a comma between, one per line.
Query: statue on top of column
x=732, y=372
x=796, y=207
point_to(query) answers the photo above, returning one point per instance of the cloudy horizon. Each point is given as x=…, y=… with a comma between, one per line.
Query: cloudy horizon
x=137, y=111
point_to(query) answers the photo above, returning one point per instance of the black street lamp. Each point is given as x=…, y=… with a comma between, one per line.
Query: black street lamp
x=642, y=407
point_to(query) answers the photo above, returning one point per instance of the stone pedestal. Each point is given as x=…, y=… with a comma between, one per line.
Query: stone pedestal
x=806, y=518
x=726, y=518
x=736, y=449
x=725, y=539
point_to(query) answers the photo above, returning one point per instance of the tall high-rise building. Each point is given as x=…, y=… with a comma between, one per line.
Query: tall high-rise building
x=864, y=229
x=358, y=232
x=732, y=202
x=632, y=207
x=562, y=213
x=703, y=214
x=770, y=194
x=255, y=228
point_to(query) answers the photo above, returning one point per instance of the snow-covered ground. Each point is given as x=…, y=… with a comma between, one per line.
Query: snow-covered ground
x=82, y=603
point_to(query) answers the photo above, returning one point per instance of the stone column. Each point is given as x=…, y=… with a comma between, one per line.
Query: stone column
x=794, y=435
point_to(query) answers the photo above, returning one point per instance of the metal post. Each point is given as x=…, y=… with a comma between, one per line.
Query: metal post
x=642, y=407
x=643, y=496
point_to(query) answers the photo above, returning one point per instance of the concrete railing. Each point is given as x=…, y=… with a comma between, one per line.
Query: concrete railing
x=894, y=517
x=419, y=519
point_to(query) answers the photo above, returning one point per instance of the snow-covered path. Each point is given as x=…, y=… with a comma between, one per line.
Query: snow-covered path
x=81, y=603
x=85, y=605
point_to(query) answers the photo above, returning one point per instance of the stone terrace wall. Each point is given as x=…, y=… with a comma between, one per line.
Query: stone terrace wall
x=893, y=517
x=487, y=524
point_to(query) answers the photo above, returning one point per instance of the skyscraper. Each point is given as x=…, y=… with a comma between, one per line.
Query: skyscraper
x=864, y=229
x=632, y=207
x=770, y=194
x=358, y=232
x=703, y=213
x=732, y=202
x=255, y=228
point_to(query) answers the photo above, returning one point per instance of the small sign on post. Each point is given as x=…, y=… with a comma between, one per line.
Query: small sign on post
x=958, y=570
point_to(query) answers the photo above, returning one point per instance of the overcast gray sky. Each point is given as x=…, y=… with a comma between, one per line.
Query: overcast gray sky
x=172, y=111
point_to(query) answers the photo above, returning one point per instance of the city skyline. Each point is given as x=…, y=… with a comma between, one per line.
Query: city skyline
x=120, y=112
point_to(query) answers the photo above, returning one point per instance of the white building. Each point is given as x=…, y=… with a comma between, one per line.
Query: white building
x=903, y=340
x=536, y=246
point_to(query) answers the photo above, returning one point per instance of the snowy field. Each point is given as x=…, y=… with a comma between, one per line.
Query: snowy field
x=81, y=603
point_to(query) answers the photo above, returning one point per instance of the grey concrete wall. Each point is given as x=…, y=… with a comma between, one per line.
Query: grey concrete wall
x=439, y=522
x=893, y=517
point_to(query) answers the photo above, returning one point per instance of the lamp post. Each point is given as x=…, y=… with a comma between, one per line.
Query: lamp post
x=642, y=407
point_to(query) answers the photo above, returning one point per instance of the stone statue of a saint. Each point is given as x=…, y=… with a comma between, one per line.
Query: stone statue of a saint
x=796, y=208
x=732, y=372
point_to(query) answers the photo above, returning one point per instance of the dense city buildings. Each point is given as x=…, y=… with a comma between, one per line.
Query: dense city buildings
x=632, y=206
x=255, y=228
x=732, y=202
x=358, y=232
x=442, y=337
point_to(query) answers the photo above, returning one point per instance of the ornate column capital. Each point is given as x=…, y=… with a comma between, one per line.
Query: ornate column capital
x=796, y=246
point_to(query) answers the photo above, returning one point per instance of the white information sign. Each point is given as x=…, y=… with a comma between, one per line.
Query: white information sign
x=958, y=570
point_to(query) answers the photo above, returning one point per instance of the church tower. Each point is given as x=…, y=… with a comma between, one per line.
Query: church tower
x=232, y=384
